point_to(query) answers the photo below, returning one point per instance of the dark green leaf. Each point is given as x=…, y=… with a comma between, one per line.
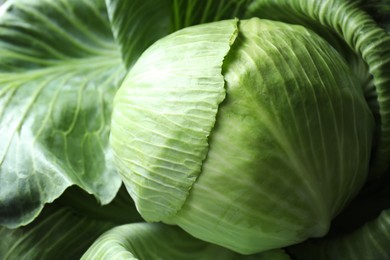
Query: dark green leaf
x=59, y=70
x=66, y=228
x=137, y=24
x=368, y=242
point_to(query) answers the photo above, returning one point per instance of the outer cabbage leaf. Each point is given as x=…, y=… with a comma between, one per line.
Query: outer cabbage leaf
x=136, y=24
x=158, y=241
x=368, y=242
x=59, y=70
x=66, y=228
x=55, y=234
x=361, y=231
x=379, y=10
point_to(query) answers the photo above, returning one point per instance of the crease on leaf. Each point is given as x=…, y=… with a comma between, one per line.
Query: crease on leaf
x=233, y=37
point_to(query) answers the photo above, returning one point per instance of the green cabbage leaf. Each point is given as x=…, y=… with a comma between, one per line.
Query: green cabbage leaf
x=133, y=241
x=59, y=70
x=66, y=228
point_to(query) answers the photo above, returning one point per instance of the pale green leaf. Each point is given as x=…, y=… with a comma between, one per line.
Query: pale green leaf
x=157, y=241
x=164, y=111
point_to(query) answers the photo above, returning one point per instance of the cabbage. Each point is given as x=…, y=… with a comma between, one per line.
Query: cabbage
x=249, y=129
x=260, y=157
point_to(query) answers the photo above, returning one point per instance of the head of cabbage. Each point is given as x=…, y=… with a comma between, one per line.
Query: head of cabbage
x=250, y=134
